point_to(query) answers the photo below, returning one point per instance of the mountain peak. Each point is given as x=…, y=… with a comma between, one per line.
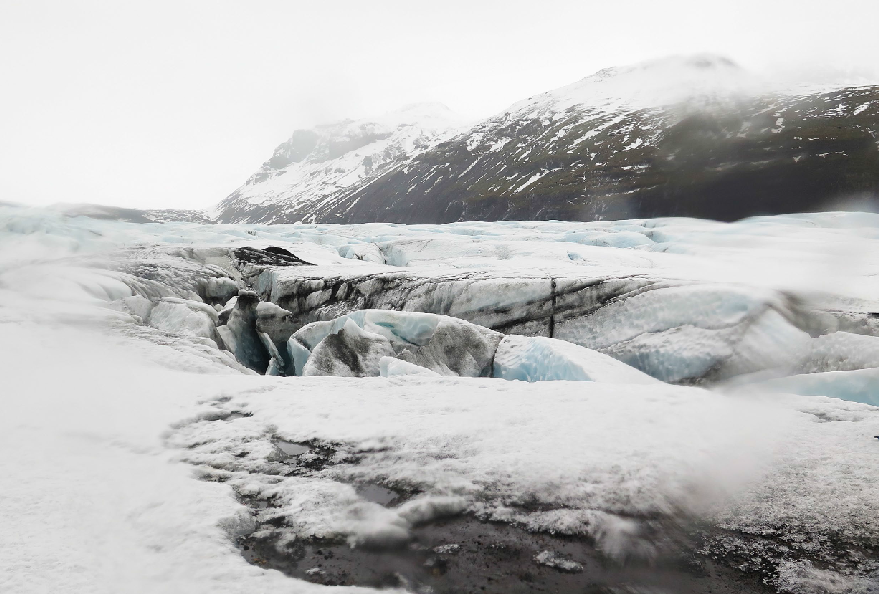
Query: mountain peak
x=653, y=83
x=704, y=62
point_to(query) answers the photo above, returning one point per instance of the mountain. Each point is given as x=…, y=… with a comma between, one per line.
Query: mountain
x=316, y=170
x=683, y=136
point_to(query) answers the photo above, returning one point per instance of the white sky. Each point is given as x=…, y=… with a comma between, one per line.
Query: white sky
x=173, y=104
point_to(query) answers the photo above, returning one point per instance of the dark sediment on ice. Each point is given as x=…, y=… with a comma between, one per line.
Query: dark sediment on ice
x=465, y=555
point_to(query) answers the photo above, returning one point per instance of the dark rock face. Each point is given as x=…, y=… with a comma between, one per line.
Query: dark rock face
x=270, y=256
x=767, y=155
x=722, y=165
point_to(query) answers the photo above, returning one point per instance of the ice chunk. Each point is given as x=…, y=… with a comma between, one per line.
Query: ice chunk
x=676, y=354
x=457, y=348
x=350, y=351
x=367, y=252
x=769, y=342
x=860, y=385
x=533, y=359
x=240, y=335
x=679, y=334
x=277, y=363
x=226, y=311
x=138, y=306
x=184, y=317
x=708, y=306
x=391, y=367
x=219, y=290
x=274, y=321
x=400, y=327
x=556, y=561
x=443, y=344
x=275, y=325
x=298, y=355
x=840, y=351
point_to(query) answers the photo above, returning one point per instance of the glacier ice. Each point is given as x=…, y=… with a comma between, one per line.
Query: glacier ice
x=219, y=290
x=240, y=335
x=388, y=343
x=275, y=326
x=784, y=462
x=693, y=332
x=534, y=359
x=859, y=385
x=183, y=317
x=445, y=345
x=840, y=351
x=392, y=367
x=350, y=351
x=297, y=354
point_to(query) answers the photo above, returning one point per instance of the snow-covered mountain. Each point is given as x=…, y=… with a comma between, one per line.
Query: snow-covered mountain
x=690, y=136
x=667, y=81
x=315, y=169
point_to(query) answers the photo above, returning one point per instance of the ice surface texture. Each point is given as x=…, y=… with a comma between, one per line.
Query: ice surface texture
x=541, y=359
x=375, y=342
x=789, y=479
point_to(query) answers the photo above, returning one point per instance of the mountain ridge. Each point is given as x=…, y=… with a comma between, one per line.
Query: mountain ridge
x=685, y=136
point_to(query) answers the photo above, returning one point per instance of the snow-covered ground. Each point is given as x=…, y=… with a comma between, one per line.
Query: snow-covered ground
x=118, y=394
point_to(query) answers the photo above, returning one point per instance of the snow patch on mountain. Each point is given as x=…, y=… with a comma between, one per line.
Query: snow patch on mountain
x=656, y=83
x=313, y=166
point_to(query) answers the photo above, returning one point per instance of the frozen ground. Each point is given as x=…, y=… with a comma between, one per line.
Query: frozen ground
x=119, y=385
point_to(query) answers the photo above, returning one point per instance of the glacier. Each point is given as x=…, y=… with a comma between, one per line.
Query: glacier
x=537, y=358
x=705, y=373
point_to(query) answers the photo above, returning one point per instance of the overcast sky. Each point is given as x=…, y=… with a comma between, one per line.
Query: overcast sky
x=164, y=104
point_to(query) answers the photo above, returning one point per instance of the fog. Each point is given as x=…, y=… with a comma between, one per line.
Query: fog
x=173, y=104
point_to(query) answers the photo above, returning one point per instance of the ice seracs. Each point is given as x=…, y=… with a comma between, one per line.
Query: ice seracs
x=359, y=341
x=349, y=351
x=389, y=343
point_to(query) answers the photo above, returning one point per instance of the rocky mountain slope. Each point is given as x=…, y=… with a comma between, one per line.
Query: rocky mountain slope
x=691, y=136
x=316, y=170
